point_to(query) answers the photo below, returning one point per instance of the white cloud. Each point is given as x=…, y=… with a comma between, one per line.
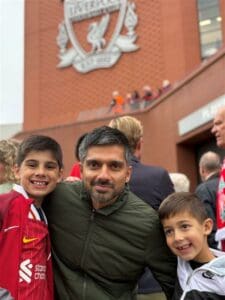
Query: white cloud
x=11, y=61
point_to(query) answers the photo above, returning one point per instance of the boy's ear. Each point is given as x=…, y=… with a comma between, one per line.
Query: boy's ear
x=61, y=172
x=208, y=226
x=16, y=171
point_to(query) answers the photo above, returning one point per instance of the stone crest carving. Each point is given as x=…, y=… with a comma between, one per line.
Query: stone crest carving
x=103, y=53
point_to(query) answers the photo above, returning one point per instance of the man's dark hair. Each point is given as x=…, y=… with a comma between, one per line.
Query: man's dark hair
x=104, y=136
x=77, y=146
x=39, y=143
x=183, y=202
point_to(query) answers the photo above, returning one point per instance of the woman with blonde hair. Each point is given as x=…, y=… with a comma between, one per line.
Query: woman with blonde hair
x=8, y=152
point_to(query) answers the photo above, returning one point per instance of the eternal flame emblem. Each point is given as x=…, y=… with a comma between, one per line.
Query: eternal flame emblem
x=101, y=53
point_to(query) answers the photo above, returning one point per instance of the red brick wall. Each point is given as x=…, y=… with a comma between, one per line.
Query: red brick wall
x=162, y=144
x=169, y=48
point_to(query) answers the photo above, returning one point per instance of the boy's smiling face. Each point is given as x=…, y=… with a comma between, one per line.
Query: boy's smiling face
x=187, y=237
x=38, y=174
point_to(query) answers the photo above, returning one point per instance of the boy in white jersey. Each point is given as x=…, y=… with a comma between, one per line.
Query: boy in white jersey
x=201, y=270
x=25, y=254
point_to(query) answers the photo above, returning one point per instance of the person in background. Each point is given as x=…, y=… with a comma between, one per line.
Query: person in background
x=209, y=170
x=166, y=86
x=180, y=182
x=103, y=236
x=218, y=130
x=111, y=105
x=117, y=103
x=200, y=270
x=25, y=260
x=75, y=171
x=8, y=151
x=128, y=100
x=151, y=184
x=148, y=95
x=135, y=100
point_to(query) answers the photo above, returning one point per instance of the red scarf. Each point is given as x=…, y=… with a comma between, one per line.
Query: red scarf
x=220, y=208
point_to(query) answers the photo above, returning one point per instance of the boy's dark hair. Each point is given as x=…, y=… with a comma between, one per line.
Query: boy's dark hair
x=104, y=136
x=183, y=202
x=39, y=143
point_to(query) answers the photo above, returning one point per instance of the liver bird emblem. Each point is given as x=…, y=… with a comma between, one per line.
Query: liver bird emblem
x=96, y=32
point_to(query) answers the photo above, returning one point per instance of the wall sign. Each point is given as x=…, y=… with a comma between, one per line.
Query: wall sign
x=102, y=54
x=201, y=116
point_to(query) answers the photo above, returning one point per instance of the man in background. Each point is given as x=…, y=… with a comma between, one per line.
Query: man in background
x=180, y=182
x=218, y=130
x=209, y=170
x=151, y=184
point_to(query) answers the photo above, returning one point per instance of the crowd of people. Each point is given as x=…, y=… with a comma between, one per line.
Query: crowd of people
x=115, y=228
x=136, y=100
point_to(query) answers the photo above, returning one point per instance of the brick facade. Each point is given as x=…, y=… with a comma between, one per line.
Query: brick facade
x=169, y=48
x=55, y=96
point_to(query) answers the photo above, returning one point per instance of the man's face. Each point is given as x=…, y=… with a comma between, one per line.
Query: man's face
x=218, y=128
x=104, y=173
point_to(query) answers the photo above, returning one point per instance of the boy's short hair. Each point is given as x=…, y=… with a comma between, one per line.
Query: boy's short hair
x=104, y=136
x=183, y=202
x=39, y=143
x=131, y=127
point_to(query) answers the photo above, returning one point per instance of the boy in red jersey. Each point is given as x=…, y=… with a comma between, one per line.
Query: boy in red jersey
x=25, y=254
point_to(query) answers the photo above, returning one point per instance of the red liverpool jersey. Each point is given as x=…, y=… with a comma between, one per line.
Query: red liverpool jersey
x=25, y=257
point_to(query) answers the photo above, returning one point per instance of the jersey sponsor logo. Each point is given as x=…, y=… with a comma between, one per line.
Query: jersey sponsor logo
x=208, y=275
x=40, y=272
x=28, y=240
x=25, y=272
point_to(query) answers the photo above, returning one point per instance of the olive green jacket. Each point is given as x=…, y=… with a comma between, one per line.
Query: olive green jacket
x=99, y=255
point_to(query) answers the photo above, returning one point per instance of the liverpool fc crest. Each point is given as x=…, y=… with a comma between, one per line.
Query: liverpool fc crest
x=96, y=50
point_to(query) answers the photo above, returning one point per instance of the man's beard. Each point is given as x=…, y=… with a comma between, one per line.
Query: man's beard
x=102, y=197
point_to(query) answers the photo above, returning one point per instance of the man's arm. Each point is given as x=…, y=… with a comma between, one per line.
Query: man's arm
x=160, y=259
x=206, y=196
x=166, y=184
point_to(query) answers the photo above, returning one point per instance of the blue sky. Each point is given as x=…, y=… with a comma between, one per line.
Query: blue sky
x=11, y=61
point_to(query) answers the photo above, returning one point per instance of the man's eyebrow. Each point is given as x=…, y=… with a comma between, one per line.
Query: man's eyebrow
x=108, y=162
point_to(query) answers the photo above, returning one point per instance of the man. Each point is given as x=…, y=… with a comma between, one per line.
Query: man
x=103, y=236
x=209, y=170
x=218, y=130
x=151, y=184
x=181, y=182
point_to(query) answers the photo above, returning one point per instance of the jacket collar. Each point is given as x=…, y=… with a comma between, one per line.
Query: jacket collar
x=213, y=175
x=134, y=159
x=18, y=188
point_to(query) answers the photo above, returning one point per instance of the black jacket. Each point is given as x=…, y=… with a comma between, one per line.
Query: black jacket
x=100, y=254
x=151, y=184
x=207, y=192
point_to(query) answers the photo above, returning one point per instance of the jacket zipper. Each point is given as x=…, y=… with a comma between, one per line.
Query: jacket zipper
x=91, y=226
